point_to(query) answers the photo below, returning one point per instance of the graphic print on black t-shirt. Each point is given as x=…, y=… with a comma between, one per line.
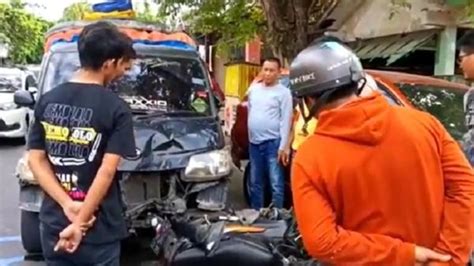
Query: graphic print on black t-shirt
x=76, y=124
x=70, y=141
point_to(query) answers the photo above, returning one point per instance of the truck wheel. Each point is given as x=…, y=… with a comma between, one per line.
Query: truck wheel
x=30, y=233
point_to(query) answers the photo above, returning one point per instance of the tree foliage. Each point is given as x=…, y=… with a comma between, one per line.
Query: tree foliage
x=470, y=10
x=232, y=22
x=23, y=32
x=287, y=26
x=75, y=11
x=147, y=15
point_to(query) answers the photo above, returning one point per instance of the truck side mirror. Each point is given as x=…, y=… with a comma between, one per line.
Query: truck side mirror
x=24, y=98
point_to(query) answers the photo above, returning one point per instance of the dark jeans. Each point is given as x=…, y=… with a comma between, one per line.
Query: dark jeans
x=87, y=254
x=263, y=163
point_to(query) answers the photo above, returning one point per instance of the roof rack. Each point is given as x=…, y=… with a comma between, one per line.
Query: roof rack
x=131, y=24
x=138, y=31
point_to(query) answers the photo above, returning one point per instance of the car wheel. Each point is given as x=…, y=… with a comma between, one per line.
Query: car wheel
x=30, y=233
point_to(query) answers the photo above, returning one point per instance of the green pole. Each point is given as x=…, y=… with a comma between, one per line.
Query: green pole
x=446, y=52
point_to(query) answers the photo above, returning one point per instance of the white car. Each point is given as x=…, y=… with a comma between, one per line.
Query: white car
x=14, y=120
x=35, y=69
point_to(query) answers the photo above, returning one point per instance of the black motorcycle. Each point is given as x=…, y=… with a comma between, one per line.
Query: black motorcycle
x=247, y=237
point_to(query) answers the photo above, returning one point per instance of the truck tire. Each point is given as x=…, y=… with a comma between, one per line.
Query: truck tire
x=30, y=233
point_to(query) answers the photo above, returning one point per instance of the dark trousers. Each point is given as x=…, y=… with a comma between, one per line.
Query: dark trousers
x=87, y=254
x=264, y=163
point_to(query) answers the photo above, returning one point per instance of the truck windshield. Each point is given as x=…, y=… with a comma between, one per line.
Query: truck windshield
x=154, y=84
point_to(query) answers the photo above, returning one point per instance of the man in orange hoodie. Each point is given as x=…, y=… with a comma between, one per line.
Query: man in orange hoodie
x=376, y=184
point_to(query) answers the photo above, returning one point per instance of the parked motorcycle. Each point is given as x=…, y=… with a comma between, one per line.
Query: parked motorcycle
x=245, y=237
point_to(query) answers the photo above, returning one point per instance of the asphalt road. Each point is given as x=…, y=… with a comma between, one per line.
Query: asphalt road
x=11, y=250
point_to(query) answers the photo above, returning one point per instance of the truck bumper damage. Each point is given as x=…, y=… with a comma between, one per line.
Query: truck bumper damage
x=31, y=197
x=146, y=197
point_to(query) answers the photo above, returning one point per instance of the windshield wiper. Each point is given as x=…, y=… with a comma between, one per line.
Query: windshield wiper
x=184, y=112
x=145, y=114
x=140, y=114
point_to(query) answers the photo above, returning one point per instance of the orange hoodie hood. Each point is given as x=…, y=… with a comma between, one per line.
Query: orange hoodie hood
x=364, y=121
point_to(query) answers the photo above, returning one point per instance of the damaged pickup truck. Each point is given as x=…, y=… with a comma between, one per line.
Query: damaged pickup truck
x=181, y=162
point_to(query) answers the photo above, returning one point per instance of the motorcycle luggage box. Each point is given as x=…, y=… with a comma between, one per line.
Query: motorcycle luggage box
x=232, y=250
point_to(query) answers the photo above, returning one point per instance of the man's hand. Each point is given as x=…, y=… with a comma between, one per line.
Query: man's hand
x=284, y=157
x=69, y=239
x=425, y=255
x=71, y=210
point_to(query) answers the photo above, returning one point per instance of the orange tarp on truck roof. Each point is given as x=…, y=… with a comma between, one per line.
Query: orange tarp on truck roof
x=136, y=34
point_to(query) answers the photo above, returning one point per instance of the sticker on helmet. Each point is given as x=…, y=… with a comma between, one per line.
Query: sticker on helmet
x=302, y=78
x=340, y=63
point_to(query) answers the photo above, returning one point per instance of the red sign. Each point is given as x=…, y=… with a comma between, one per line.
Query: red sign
x=253, y=51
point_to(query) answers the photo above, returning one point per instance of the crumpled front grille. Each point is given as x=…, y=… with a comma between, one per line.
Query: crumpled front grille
x=214, y=198
x=138, y=188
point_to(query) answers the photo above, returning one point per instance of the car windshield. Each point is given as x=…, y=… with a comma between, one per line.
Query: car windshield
x=164, y=84
x=9, y=82
x=446, y=104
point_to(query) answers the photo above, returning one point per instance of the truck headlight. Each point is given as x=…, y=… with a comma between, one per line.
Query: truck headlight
x=208, y=166
x=23, y=171
x=8, y=106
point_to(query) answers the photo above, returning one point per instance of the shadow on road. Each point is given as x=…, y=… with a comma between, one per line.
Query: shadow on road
x=135, y=251
x=4, y=142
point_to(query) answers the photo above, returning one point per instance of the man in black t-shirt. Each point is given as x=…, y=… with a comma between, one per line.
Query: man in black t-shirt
x=80, y=133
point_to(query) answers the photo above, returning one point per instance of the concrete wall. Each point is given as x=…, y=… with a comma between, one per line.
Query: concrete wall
x=373, y=18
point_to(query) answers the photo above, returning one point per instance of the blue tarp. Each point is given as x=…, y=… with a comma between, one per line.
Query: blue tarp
x=169, y=43
x=110, y=6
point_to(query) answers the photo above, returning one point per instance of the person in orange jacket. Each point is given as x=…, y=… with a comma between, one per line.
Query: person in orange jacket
x=376, y=184
x=301, y=130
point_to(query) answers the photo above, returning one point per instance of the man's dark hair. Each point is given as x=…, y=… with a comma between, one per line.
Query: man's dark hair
x=102, y=41
x=273, y=60
x=467, y=40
